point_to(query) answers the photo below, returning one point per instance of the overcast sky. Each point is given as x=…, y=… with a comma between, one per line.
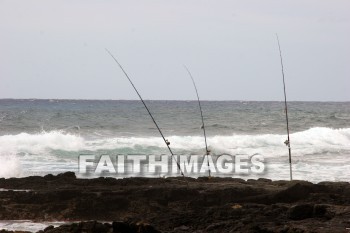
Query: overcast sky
x=56, y=49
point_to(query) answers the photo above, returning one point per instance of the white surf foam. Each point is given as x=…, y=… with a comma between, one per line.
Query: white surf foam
x=26, y=225
x=37, y=151
x=313, y=141
x=36, y=143
x=10, y=166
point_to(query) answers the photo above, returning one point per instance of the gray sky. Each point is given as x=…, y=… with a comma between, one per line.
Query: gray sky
x=55, y=49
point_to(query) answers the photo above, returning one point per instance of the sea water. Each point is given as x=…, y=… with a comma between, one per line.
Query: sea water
x=39, y=137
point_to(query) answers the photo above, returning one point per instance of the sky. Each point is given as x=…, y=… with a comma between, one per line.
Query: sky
x=56, y=49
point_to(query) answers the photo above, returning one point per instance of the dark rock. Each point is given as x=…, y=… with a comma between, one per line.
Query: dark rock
x=121, y=227
x=49, y=177
x=198, y=205
x=146, y=228
x=82, y=227
x=124, y=227
x=49, y=228
x=297, y=192
x=323, y=211
x=264, y=180
x=182, y=228
x=67, y=175
x=301, y=211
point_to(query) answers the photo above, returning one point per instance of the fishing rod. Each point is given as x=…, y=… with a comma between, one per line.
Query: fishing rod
x=144, y=104
x=287, y=142
x=203, y=126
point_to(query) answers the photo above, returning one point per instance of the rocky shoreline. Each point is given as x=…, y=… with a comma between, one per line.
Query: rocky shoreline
x=176, y=205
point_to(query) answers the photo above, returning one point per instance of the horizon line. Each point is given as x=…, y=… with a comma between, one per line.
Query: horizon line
x=78, y=99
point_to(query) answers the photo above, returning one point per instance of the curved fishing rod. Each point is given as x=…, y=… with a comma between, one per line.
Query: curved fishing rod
x=287, y=142
x=203, y=126
x=144, y=104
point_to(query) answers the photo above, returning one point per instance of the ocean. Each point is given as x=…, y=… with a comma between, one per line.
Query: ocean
x=38, y=137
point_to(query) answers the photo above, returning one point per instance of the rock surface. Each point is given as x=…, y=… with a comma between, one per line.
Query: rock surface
x=176, y=205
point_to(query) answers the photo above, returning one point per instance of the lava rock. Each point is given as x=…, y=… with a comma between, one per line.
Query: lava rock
x=301, y=211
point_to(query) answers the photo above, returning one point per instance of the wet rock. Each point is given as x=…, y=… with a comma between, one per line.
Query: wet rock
x=49, y=228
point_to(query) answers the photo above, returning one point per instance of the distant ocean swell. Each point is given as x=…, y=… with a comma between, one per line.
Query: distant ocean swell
x=45, y=151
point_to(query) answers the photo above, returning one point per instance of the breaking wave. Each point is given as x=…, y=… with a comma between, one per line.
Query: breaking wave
x=311, y=141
